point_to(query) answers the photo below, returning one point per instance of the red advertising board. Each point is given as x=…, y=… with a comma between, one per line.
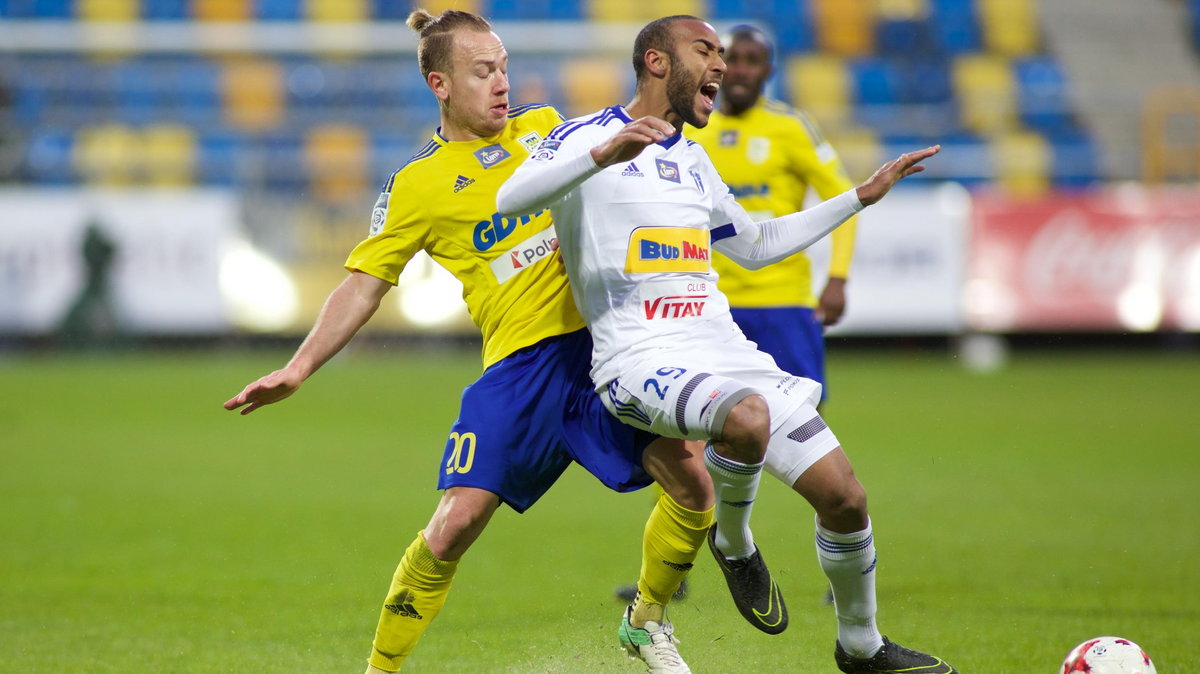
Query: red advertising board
x=1124, y=259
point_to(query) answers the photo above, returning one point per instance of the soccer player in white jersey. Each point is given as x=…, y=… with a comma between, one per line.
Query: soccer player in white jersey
x=637, y=207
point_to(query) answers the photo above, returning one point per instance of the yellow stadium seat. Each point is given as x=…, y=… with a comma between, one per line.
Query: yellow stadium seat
x=641, y=11
x=1022, y=163
x=253, y=94
x=222, y=10
x=169, y=155
x=859, y=150
x=342, y=10
x=1009, y=26
x=108, y=155
x=590, y=84
x=820, y=85
x=845, y=27
x=336, y=156
x=436, y=7
x=107, y=10
x=986, y=93
x=904, y=10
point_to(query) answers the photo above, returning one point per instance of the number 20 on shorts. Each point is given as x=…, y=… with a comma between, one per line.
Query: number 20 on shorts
x=464, y=453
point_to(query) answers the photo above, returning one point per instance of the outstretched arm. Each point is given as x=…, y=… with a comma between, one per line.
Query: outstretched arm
x=758, y=244
x=553, y=171
x=346, y=310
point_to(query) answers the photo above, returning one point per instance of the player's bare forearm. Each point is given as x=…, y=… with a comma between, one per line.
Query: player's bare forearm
x=629, y=142
x=832, y=303
x=892, y=172
x=346, y=310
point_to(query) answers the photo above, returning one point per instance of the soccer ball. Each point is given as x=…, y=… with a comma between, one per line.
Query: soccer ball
x=1108, y=655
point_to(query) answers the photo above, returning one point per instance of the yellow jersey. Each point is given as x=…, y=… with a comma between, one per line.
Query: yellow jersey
x=770, y=156
x=443, y=201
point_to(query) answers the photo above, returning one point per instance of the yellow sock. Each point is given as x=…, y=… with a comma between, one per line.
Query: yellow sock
x=672, y=539
x=418, y=590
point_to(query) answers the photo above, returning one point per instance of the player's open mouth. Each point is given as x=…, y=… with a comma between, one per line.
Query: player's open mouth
x=708, y=92
x=501, y=108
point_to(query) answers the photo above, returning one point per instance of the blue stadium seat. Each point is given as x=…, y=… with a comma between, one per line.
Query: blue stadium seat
x=901, y=37
x=217, y=160
x=281, y=10
x=390, y=10
x=955, y=26
x=792, y=26
x=1042, y=96
x=164, y=10
x=30, y=97
x=928, y=81
x=54, y=9
x=48, y=157
x=877, y=82
x=1195, y=7
x=196, y=94
x=1076, y=162
x=566, y=10
x=389, y=151
x=139, y=90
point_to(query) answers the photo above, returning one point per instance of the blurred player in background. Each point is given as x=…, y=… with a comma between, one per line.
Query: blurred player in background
x=770, y=156
x=638, y=208
x=533, y=410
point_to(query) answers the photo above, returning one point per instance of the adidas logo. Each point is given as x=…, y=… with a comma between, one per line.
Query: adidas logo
x=461, y=183
x=403, y=606
x=632, y=171
x=677, y=567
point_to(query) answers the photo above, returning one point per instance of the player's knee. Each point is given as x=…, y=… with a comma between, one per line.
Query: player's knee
x=844, y=508
x=454, y=527
x=747, y=429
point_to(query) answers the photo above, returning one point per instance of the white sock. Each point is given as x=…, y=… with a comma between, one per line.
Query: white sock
x=736, y=485
x=848, y=560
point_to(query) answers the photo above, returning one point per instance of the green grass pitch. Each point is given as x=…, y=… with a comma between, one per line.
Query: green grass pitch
x=145, y=529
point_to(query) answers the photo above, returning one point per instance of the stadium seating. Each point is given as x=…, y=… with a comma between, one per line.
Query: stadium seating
x=877, y=75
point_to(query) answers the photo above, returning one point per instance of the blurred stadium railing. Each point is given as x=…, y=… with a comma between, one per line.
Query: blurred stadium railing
x=285, y=115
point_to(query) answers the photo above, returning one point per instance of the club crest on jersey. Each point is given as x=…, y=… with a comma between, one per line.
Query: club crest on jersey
x=667, y=170
x=668, y=249
x=379, y=214
x=728, y=138
x=758, y=149
x=632, y=171
x=530, y=141
x=491, y=155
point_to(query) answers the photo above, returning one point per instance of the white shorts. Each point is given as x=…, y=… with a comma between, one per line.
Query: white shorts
x=687, y=393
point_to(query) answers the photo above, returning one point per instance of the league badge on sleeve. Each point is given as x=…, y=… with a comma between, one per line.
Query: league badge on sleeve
x=379, y=214
x=546, y=149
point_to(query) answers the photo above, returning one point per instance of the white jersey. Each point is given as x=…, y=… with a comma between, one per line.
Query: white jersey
x=637, y=238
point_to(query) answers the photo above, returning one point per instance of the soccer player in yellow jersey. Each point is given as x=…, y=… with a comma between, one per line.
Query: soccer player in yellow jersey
x=771, y=156
x=533, y=410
